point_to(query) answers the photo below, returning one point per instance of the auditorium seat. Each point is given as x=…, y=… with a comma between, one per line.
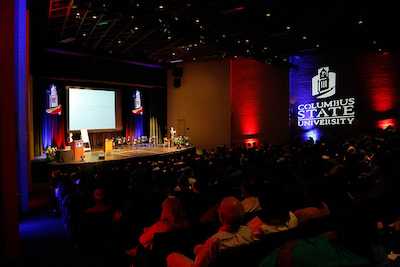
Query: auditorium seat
x=182, y=241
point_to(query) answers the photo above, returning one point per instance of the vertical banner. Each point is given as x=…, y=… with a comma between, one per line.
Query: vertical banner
x=134, y=124
x=53, y=120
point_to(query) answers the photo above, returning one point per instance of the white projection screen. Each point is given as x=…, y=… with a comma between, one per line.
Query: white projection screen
x=94, y=109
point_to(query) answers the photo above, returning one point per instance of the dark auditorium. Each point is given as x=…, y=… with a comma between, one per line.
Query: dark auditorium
x=199, y=133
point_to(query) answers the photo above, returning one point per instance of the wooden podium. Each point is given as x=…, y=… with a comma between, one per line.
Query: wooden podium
x=108, y=144
x=77, y=147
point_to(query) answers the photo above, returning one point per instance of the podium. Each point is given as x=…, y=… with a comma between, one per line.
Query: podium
x=108, y=144
x=77, y=147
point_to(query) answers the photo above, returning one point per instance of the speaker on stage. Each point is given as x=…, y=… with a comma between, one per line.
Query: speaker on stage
x=177, y=82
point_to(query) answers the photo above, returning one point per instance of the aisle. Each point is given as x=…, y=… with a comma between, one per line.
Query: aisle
x=44, y=241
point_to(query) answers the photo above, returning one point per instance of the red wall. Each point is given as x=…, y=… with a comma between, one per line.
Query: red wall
x=259, y=102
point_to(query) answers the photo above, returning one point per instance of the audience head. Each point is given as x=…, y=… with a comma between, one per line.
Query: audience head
x=231, y=212
x=172, y=211
x=249, y=187
x=98, y=195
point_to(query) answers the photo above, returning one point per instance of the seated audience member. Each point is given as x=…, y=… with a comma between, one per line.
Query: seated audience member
x=353, y=243
x=284, y=221
x=95, y=224
x=231, y=234
x=172, y=218
x=250, y=202
x=248, y=190
x=100, y=205
x=316, y=207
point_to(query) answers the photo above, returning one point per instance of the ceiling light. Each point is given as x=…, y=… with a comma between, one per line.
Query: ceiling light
x=119, y=41
x=161, y=7
x=176, y=18
x=173, y=53
x=194, y=59
x=288, y=27
x=197, y=20
x=84, y=34
x=94, y=17
x=304, y=37
x=360, y=22
x=136, y=28
x=268, y=15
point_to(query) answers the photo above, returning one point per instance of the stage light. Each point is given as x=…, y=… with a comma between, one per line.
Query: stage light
x=94, y=17
x=288, y=27
x=268, y=14
x=161, y=7
x=169, y=37
x=247, y=40
x=197, y=20
x=176, y=18
x=194, y=59
x=136, y=28
x=360, y=22
x=119, y=41
x=84, y=34
x=173, y=53
x=304, y=37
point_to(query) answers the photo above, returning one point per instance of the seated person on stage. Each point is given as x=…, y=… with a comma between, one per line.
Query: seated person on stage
x=231, y=234
x=172, y=218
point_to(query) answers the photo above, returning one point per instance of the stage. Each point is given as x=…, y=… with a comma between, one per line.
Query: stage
x=96, y=157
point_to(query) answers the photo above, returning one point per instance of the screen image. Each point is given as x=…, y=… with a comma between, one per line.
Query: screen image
x=93, y=109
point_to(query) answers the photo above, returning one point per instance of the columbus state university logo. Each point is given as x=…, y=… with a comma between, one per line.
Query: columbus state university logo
x=324, y=83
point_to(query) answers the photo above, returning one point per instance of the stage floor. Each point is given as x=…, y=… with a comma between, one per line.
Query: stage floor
x=96, y=155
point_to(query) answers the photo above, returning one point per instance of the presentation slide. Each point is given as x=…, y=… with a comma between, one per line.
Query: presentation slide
x=91, y=109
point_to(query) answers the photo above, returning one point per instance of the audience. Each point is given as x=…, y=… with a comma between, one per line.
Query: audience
x=231, y=234
x=295, y=182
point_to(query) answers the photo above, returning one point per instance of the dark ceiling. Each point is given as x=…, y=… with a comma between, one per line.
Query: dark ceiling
x=169, y=31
